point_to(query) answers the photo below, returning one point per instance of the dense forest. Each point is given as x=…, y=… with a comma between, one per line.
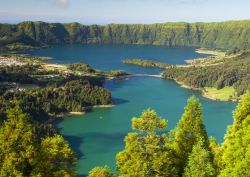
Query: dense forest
x=30, y=145
x=231, y=35
x=24, y=151
x=51, y=91
x=72, y=96
x=231, y=72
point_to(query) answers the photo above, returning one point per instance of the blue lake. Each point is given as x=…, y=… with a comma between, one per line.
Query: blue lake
x=97, y=136
x=109, y=57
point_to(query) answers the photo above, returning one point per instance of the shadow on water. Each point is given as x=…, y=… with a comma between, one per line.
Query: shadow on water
x=75, y=143
x=119, y=101
x=104, y=139
x=108, y=139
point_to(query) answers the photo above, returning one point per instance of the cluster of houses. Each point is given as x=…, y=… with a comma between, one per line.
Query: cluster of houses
x=13, y=61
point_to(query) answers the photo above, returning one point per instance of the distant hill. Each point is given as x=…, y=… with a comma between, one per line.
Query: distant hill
x=230, y=35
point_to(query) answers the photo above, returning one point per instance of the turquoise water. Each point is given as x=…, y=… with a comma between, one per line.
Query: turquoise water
x=97, y=136
x=109, y=57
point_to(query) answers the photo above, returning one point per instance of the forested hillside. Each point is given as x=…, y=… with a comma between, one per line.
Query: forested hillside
x=32, y=95
x=232, y=72
x=44, y=92
x=229, y=35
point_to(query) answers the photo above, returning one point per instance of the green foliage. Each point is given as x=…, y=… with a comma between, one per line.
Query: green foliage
x=230, y=35
x=242, y=111
x=145, y=153
x=74, y=95
x=232, y=72
x=101, y=172
x=146, y=63
x=199, y=162
x=236, y=147
x=22, y=74
x=187, y=152
x=223, y=94
x=216, y=153
x=81, y=67
x=55, y=158
x=21, y=154
x=117, y=73
x=28, y=148
x=17, y=145
x=30, y=145
x=149, y=122
x=53, y=93
x=189, y=131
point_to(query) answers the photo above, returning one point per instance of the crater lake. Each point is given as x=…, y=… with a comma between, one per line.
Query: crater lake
x=97, y=136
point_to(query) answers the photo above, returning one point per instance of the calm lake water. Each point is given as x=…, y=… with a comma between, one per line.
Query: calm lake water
x=97, y=136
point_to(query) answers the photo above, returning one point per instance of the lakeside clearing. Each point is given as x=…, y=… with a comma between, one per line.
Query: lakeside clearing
x=211, y=52
x=224, y=94
x=218, y=57
x=54, y=66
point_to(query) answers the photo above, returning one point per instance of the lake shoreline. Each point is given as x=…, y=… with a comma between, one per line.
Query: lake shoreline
x=105, y=126
x=215, y=54
x=84, y=111
x=182, y=85
x=203, y=92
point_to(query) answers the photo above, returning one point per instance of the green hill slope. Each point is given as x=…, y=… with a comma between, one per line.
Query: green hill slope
x=225, y=35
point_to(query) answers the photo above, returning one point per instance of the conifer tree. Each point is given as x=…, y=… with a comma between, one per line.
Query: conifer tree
x=216, y=153
x=55, y=158
x=22, y=155
x=17, y=145
x=236, y=147
x=199, y=162
x=145, y=152
x=189, y=131
x=101, y=172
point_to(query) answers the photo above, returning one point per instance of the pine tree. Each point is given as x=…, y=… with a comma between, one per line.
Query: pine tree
x=55, y=158
x=145, y=152
x=22, y=155
x=101, y=172
x=17, y=145
x=216, y=153
x=236, y=147
x=189, y=131
x=199, y=162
